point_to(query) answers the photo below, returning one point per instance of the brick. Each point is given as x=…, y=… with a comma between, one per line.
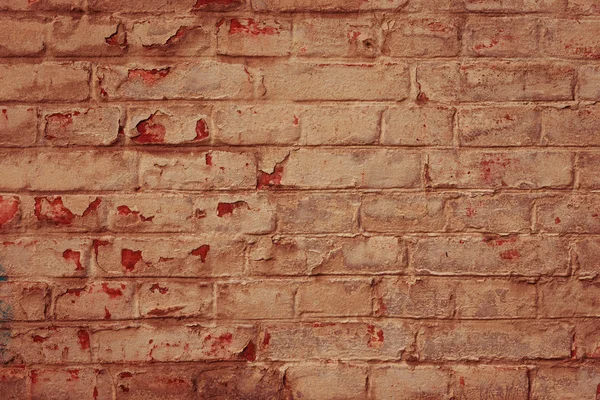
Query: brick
x=298, y=255
x=156, y=342
x=586, y=253
x=21, y=37
x=388, y=382
x=56, y=384
x=499, y=126
x=147, y=213
x=581, y=297
x=65, y=213
x=569, y=38
x=496, y=81
x=13, y=383
x=198, y=171
x=254, y=37
x=142, y=6
x=587, y=163
x=10, y=212
x=173, y=256
x=337, y=37
x=185, y=36
x=428, y=298
x=479, y=212
x=423, y=37
x=94, y=300
x=315, y=212
x=417, y=126
x=553, y=383
x=571, y=126
x=256, y=300
x=477, y=382
x=501, y=37
x=588, y=82
x=244, y=213
x=349, y=125
x=326, y=81
x=502, y=169
x=491, y=255
x=45, y=345
x=256, y=124
x=586, y=341
x=240, y=383
x=44, y=257
x=404, y=212
x=495, y=340
x=308, y=168
x=168, y=382
x=326, y=5
x=341, y=341
x=587, y=7
x=87, y=36
x=23, y=301
x=175, y=81
x=81, y=126
x=47, y=81
x=327, y=381
x=515, y=6
x=168, y=125
x=492, y=299
x=175, y=299
x=321, y=298
x=18, y=126
x=562, y=214
x=26, y=5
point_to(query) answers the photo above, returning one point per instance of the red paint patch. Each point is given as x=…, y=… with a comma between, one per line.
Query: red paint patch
x=34, y=376
x=227, y=208
x=202, y=252
x=9, y=207
x=422, y=99
x=62, y=120
x=129, y=258
x=218, y=343
x=482, y=46
x=375, y=336
x=201, y=130
x=557, y=220
x=92, y=207
x=470, y=212
x=74, y=256
x=107, y=314
x=39, y=339
x=95, y=393
x=112, y=293
x=249, y=352
x=125, y=375
x=510, y=254
x=492, y=169
x=119, y=38
x=125, y=211
x=208, y=159
x=97, y=243
x=150, y=131
x=161, y=290
x=74, y=374
x=266, y=339
x=249, y=25
x=149, y=76
x=84, y=340
x=462, y=381
x=52, y=210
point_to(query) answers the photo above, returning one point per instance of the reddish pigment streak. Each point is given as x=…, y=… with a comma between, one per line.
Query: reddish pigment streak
x=249, y=25
x=201, y=251
x=74, y=256
x=227, y=208
x=112, y=293
x=9, y=207
x=84, y=340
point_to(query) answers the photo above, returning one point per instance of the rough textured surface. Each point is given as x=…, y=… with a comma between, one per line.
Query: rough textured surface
x=299, y=199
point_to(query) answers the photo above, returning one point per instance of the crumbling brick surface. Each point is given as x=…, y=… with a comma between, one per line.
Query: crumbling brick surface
x=299, y=199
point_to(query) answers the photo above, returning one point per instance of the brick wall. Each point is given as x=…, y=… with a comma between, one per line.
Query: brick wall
x=299, y=199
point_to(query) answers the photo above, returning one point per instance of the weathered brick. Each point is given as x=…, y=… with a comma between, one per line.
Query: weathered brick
x=257, y=124
x=570, y=213
x=18, y=126
x=80, y=126
x=64, y=213
x=13, y=383
x=494, y=299
x=588, y=77
x=403, y=212
x=256, y=300
x=570, y=38
x=198, y=171
x=21, y=37
x=337, y=37
x=254, y=37
x=587, y=164
x=581, y=299
x=184, y=36
x=588, y=7
x=39, y=5
x=341, y=341
x=351, y=125
x=39, y=257
x=174, y=256
x=167, y=382
x=480, y=212
x=494, y=340
x=417, y=126
x=479, y=382
x=334, y=298
x=501, y=37
x=24, y=301
x=422, y=37
x=175, y=299
x=146, y=6
x=168, y=125
x=571, y=126
x=586, y=340
x=327, y=81
x=554, y=383
x=502, y=169
x=10, y=212
x=315, y=212
x=513, y=6
x=327, y=5
x=159, y=342
x=254, y=382
x=298, y=255
x=327, y=381
x=94, y=300
x=491, y=255
x=175, y=81
x=87, y=36
x=53, y=81
x=389, y=382
x=499, y=126
x=401, y=297
x=83, y=383
x=587, y=251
